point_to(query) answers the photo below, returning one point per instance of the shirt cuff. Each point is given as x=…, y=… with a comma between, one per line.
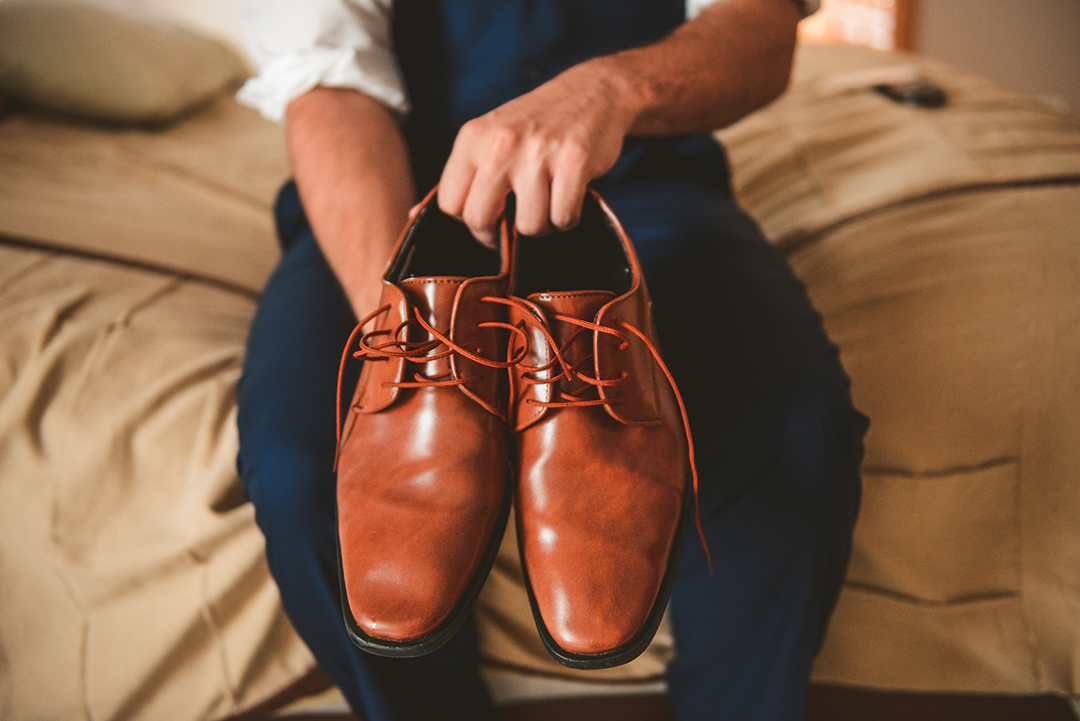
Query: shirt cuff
x=288, y=77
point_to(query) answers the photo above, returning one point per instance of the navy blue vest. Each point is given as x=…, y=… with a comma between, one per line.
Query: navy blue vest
x=463, y=58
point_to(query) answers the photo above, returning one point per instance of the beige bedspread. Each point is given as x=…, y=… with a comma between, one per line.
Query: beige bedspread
x=134, y=584
x=133, y=579
x=941, y=247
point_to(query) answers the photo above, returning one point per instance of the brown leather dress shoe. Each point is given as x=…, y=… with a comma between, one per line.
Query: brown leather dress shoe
x=603, y=455
x=424, y=483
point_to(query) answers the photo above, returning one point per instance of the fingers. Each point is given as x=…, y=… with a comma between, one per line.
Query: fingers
x=457, y=175
x=484, y=206
x=550, y=195
x=568, y=187
x=548, y=174
x=532, y=210
x=469, y=189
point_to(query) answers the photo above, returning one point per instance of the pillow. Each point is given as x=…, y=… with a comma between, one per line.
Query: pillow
x=108, y=62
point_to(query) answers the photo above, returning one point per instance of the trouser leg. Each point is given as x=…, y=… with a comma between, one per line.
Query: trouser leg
x=286, y=400
x=778, y=447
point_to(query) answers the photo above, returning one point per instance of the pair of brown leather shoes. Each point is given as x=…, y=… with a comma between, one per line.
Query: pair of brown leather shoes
x=467, y=388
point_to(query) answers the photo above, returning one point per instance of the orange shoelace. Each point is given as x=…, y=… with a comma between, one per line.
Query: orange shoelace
x=418, y=353
x=572, y=371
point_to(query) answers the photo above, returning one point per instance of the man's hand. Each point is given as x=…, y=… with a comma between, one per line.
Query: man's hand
x=544, y=146
x=547, y=145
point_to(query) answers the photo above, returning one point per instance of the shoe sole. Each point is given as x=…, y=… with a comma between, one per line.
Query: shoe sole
x=637, y=645
x=443, y=633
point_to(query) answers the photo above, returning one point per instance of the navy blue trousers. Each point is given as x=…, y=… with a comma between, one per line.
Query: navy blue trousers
x=778, y=450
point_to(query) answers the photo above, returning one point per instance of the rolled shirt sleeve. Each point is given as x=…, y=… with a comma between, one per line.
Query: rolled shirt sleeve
x=299, y=44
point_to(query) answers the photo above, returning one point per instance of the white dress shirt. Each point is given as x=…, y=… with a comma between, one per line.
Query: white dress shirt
x=298, y=44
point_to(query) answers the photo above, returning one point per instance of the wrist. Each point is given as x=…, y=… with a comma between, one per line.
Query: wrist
x=613, y=80
x=633, y=93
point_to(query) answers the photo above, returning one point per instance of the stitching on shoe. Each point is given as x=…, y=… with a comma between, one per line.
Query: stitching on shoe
x=578, y=294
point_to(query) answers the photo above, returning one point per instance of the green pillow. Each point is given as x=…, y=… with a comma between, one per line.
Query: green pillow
x=108, y=62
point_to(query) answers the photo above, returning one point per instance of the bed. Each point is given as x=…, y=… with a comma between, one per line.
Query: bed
x=941, y=246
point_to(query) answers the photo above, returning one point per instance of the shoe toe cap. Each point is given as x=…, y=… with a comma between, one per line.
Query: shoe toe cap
x=594, y=598
x=396, y=602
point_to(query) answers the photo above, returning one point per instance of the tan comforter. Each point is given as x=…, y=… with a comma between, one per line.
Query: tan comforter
x=943, y=250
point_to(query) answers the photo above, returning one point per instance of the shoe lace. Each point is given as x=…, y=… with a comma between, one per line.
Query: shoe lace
x=418, y=353
x=571, y=371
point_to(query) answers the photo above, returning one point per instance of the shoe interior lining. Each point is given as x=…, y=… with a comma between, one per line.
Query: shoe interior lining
x=587, y=257
x=439, y=245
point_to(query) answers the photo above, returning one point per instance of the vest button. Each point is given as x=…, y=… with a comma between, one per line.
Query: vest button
x=531, y=72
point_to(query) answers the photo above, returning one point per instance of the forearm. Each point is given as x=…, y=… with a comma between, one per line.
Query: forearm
x=352, y=169
x=734, y=58
x=547, y=145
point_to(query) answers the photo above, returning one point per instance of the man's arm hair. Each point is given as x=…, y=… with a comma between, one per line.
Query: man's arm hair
x=732, y=59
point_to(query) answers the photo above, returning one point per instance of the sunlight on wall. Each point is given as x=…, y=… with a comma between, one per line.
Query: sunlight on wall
x=857, y=22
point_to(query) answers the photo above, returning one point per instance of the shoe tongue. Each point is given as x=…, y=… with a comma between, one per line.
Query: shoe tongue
x=433, y=299
x=580, y=304
x=583, y=305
